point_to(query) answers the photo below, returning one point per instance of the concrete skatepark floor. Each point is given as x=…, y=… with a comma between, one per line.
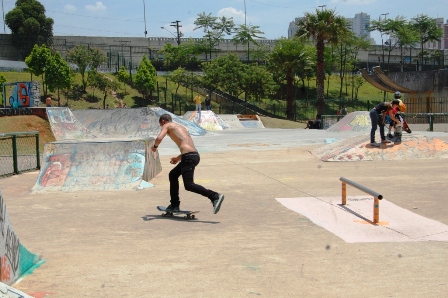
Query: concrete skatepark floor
x=116, y=244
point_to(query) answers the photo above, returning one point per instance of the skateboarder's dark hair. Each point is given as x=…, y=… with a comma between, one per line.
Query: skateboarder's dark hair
x=166, y=117
x=395, y=102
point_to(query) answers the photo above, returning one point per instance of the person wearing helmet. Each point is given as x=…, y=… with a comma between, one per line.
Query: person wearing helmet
x=401, y=125
x=377, y=117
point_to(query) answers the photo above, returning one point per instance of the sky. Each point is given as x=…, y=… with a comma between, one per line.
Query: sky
x=129, y=18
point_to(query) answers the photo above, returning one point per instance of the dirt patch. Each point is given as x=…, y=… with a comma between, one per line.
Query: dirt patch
x=280, y=123
x=28, y=123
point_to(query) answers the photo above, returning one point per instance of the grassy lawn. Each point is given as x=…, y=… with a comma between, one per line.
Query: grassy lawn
x=93, y=99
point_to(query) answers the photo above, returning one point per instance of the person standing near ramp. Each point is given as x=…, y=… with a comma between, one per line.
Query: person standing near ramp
x=377, y=117
x=198, y=101
x=188, y=160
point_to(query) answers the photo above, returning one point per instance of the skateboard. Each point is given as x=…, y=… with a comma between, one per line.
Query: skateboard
x=188, y=214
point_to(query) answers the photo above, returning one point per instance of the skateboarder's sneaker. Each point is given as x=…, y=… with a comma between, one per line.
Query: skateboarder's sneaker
x=389, y=136
x=217, y=203
x=408, y=130
x=375, y=144
x=171, y=208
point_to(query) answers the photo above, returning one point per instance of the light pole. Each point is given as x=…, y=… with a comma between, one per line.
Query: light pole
x=322, y=6
x=176, y=24
x=168, y=31
x=382, y=42
x=245, y=24
x=144, y=16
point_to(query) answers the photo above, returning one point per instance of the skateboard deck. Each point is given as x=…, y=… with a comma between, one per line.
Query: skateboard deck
x=187, y=214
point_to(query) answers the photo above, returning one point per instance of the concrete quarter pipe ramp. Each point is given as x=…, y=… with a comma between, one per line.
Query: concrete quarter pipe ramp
x=112, y=153
x=129, y=123
x=15, y=259
x=97, y=165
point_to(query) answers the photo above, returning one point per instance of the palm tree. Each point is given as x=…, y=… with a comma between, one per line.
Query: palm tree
x=323, y=26
x=246, y=35
x=288, y=58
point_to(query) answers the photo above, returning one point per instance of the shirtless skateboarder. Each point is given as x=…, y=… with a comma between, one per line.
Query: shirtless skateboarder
x=189, y=159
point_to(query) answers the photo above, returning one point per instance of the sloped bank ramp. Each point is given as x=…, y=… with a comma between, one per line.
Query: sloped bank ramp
x=355, y=121
x=358, y=148
x=74, y=165
x=129, y=123
x=206, y=119
x=16, y=261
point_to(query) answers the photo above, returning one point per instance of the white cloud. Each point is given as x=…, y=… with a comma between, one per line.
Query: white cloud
x=69, y=8
x=354, y=2
x=97, y=7
x=229, y=12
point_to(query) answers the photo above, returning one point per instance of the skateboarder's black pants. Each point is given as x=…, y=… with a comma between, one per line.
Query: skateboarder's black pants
x=376, y=120
x=186, y=167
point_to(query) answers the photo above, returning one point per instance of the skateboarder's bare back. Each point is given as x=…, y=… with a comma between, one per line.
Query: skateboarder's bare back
x=180, y=136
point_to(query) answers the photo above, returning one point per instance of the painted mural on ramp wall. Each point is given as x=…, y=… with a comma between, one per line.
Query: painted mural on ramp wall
x=15, y=259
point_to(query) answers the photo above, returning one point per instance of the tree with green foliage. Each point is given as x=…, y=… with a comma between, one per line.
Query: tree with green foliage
x=103, y=83
x=323, y=26
x=58, y=75
x=29, y=25
x=287, y=58
x=178, y=76
x=123, y=76
x=185, y=78
x=427, y=30
x=2, y=81
x=246, y=35
x=347, y=55
x=177, y=56
x=400, y=31
x=214, y=28
x=38, y=61
x=145, y=78
x=224, y=73
x=258, y=82
x=85, y=58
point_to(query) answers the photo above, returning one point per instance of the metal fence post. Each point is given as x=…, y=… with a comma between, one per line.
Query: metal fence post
x=14, y=154
x=431, y=122
x=37, y=152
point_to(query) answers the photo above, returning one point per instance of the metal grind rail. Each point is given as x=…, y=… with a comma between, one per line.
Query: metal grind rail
x=376, y=196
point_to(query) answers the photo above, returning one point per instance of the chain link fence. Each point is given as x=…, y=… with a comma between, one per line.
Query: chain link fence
x=19, y=152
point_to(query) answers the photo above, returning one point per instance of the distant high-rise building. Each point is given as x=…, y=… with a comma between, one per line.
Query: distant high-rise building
x=292, y=29
x=359, y=25
x=445, y=37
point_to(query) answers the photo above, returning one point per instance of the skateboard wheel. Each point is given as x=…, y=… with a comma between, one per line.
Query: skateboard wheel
x=193, y=216
x=163, y=214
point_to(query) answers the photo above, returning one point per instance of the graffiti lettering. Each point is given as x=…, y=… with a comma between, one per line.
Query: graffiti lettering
x=12, y=249
x=146, y=112
x=5, y=270
x=2, y=216
x=18, y=111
